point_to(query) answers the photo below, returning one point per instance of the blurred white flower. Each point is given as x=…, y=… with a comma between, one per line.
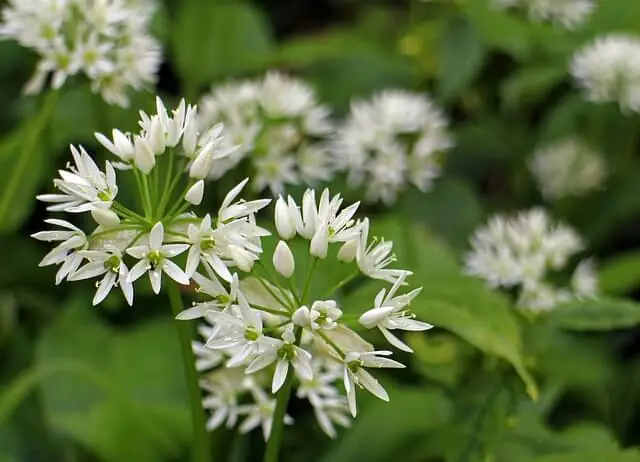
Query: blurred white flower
x=106, y=40
x=567, y=168
x=569, y=14
x=281, y=125
x=522, y=251
x=608, y=70
x=393, y=139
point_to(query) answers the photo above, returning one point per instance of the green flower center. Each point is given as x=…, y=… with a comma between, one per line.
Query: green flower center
x=154, y=258
x=207, y=243
x=112, y=263
x=251, y=334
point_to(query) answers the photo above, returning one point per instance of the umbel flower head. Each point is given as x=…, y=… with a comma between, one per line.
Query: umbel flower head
x=522, y=252
x=608, y=70
x=128, y=243
x=106, y=40
x=279, y=123
x=266, y=331
x=567, y=167
x=569, y=14
x=393, y=139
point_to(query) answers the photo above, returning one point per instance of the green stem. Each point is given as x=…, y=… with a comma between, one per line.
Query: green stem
x=201, y=449
x=147, y=195
x=341, y=284
x=273, y=294
x=310, y=267
x=141, y=193
x=282, y=401
x=168, y=186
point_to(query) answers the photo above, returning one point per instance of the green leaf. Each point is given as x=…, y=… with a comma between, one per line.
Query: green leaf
x=461, y=57
x=621, y=274
x=592, y=456
x=383, y=430
x=22, y=161
x=595, y=314
x=123, y=395
x=530, y=84
x=212, y=40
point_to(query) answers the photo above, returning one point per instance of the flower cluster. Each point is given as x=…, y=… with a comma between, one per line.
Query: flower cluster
x=267, y=329
x=569, y=14
x=608, y=70
x=281, y=126
x=165, y=147
x=522, y=252
x=107, y=40
x=393, y=139
x=567, y=167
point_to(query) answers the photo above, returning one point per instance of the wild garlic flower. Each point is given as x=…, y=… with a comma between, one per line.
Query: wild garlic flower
x=393, y=139
x=269, y=328
x=608, y=70
x=106, y=40
x=524, y=252
x=129, y=243
x=567, y=167
x=569, y=14
x=280, y=124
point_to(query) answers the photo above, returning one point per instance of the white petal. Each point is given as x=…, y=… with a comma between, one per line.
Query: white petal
x=280, y=375
x=172, y=250
x=371, y=384
x=155, y=277
x=375, y=316
x=104, y=287
x=395, y=341
x=261, y=362
x=174, y=272
x=194, y=312
x=138, y=270
x=156, y=236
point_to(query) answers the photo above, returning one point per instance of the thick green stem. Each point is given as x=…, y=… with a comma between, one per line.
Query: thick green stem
x=201, y=449
x=282, y=401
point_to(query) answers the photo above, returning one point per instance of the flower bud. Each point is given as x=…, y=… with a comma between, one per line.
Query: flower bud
x=144, y=157
x=284, y=221
x=375, y=316
x=348, y=251
x=283, y=260
x=155, y=136
x=300, y=317
x=105, y=217
x=201, y=166
x=320, y=242
x=195, y=193
x=190, y=134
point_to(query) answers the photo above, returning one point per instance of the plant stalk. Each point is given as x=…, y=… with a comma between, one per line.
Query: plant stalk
x=201, y=447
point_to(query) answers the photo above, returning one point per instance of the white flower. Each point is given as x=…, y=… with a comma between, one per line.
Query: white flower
x=569, y=14
x=105, y=40
x=203, y=248
x=107, y=262
x=521, y=251
x=323, y=314
x=567, y=168
x=283, y=352
x=608, y=69
x=260, y=414
x=241, y=331
x=84, y=186
x=388, y=314
x=155, y=259
x=393, y=139
x=356, y=374
x=68, y=252
x=281, y=125
x=373, y=258
x=221, y=397
x=283, y=260
x=206, y=358
x=105, y=217
x=121, y=146
x=221, y=298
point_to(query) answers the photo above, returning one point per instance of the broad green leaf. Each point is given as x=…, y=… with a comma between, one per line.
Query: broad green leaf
x=529, y=85
x=128, y=401
x=22, y=162
x=592, y=456
x=596, y=314
x=213, y=40
x=383, y=430
x=620, y=274
x=461, y=57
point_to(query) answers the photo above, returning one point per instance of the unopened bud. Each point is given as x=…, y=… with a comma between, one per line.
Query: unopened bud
x=283, y=260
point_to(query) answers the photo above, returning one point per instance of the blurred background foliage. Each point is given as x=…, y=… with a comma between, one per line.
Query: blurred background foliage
x=81, y=384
